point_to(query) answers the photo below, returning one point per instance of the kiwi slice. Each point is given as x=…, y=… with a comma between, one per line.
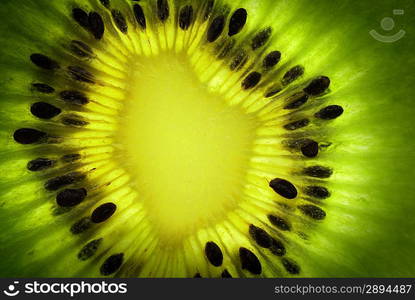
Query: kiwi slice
x=214, y=138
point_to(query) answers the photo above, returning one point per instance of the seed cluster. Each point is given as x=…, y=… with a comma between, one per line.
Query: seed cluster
x=253, y=60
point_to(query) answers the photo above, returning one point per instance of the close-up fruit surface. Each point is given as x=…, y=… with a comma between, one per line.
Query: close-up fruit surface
x=206, y=138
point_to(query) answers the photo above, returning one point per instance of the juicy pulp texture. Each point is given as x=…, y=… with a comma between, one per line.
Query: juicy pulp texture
x=188, y=149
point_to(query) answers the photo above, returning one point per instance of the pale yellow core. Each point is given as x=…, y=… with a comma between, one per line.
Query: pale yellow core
x=186, y=149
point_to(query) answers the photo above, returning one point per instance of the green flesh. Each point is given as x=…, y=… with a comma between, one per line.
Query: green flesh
x=369, y=227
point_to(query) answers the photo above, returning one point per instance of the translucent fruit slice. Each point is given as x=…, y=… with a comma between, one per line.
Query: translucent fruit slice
x=204, y=139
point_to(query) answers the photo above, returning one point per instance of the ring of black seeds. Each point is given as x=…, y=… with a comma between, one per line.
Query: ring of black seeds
x=213, y=254
x=68, y=197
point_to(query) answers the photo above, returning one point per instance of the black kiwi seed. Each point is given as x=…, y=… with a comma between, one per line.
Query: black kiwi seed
x=112, y=264
x=40, y=164
x=215, y=29
x=251, y=80
x=106, y=3
x=71, y=197
x=43, y=88
x=293, y=74
x=226, y=274
x=80, y=49
x=68, y=158
x=310, y=149
x=312, y=211
x=96, y=25
x=80, y=74
x=208, y=9
x=301, y=100
x=186, y=17
x=249, y=261
x=271, y=59
x=317, y=86
x=291, y=266
x=284, y=188
x=261, y=38
x=330, y=112
x=237, y=21
x=277, y=248
x=119, y=20
x=74, y=97
x=261, y=237
x=89, y=249
x=81, y=225
x=162, y=10
x=239, y=60
x=317, y=191
x=318, y=171
x=103, y=212
x=214, y=254
x=70, y=121
x=224, y=50
x=279, y=222
x=44, y=110
x=56, y=183
x=27, y=136
x=44, y=62
x=81, y=17
x=139, y=16
x=272, y=91
x=297, y=124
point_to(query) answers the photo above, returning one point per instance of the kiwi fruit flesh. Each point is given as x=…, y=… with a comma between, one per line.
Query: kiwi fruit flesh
x=214, y=138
